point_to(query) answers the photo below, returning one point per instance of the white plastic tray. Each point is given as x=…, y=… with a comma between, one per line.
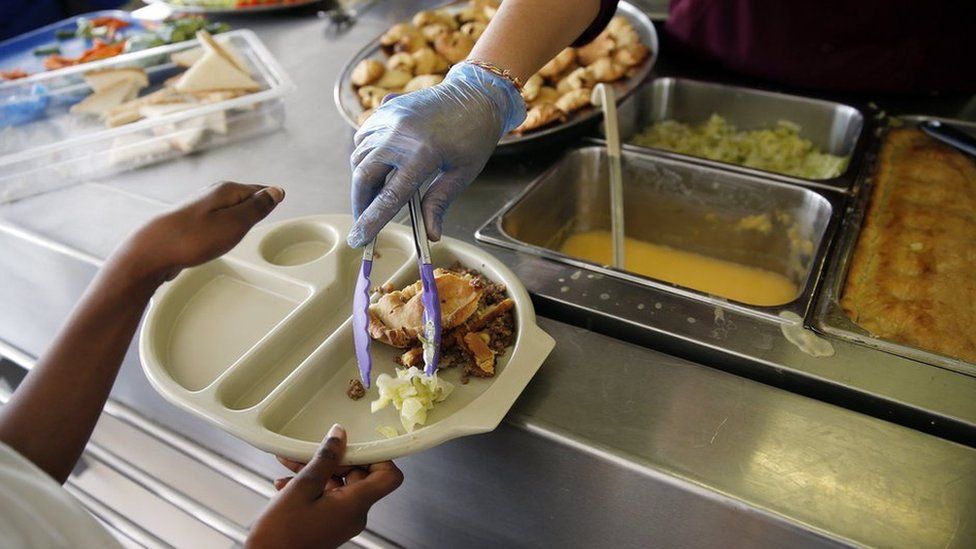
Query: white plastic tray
x=259, y=342
x=61, y=148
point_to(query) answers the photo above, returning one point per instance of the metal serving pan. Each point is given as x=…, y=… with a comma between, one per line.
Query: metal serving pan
x=684, y=206
x=833, y=127
x=831, y=317
x=348, y=103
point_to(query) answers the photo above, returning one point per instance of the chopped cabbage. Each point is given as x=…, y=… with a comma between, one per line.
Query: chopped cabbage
x=779, y=149
x=413, y=393
x=388, y=431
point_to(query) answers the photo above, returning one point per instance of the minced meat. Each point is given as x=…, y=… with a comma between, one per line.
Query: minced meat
x=501, y=330
x=355, y=390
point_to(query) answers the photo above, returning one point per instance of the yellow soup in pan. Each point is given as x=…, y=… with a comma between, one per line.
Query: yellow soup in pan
x=699, y=272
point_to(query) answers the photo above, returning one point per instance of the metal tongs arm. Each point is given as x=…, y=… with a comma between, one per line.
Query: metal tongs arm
x=429, y=298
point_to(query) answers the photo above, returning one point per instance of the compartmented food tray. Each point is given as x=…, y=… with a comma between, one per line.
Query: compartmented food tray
x=834, y=128
x=831, y=317
x=738, y=218
x=348, y=103
x=260, y=343
x=53, y=147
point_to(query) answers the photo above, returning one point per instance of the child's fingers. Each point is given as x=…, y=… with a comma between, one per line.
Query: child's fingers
x=355, y=476
x=381, y=479
x=332, y=484
x=291, y=465
x=280, y=483
x=253, y=208
x=312, y=479
x=227, y=193
x=296, y=466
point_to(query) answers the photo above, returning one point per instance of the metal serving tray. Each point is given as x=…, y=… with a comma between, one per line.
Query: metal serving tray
x=681, y=205
x=349, y=107
x=833, y=127
x=831, y=317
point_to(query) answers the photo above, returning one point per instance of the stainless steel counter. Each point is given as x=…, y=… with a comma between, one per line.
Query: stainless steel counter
x=612, y=444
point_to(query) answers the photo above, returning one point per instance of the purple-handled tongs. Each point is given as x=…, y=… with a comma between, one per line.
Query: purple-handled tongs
x=431, y=338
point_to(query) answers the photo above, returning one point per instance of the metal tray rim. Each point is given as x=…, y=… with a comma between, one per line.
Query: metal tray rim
x=492, y=232
x=844, y=181
x=830, y=316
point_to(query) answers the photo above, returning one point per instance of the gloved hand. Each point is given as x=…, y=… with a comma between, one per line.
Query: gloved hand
x=446, y=132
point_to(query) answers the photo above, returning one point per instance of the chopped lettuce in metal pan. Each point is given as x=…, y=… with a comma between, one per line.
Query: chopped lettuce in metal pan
x=779, y=149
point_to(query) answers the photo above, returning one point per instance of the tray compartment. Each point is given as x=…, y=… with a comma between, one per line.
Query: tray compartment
x=59, y=148
x=831, y=317
x=719, y=214
x=298, y=244
x=248, y=301
x=294, y=341
x=833, y=127
x=318, y=388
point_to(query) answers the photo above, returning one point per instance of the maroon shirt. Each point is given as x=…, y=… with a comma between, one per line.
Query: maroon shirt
x=847, y=45
x=603, y=17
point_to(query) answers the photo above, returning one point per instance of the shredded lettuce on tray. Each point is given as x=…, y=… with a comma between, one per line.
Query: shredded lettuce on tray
x=779, y=149
x=413, y=393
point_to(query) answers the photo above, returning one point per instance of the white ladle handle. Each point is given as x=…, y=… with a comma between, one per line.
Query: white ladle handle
x=603, y=96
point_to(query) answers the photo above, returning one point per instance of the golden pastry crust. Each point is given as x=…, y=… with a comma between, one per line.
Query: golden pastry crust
x=601, y=46
x=455, y=48
x=366, y=72
x=410, y=44
x=622, y=32
x=631, y=55
x=911, y=279
x=474, y=13
x=558, y=65
x=547, y=94
x=574, y=100
x=427, y=61
x=530, y=90
x=432, y=31
x=474, y=29
x=578, y=79
x=539, y=116
x=402, y=61
x=423, y=81
x=431, y=17
x=370, y=97
x=398, y=32
x=394, y=79
x=605, y=69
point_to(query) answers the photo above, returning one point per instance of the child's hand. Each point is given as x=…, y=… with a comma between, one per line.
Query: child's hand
x=198, y=231
x=317, y=507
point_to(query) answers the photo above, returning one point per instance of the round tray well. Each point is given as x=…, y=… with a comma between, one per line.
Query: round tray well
x=259, y=342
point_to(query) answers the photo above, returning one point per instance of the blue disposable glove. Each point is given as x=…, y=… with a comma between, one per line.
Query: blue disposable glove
x=445, y=133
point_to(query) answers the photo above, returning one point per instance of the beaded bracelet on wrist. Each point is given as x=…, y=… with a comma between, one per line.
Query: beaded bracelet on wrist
x=495, y=69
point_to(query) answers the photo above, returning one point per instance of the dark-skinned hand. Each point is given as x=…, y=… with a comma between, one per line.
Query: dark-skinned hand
x=323, y=504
